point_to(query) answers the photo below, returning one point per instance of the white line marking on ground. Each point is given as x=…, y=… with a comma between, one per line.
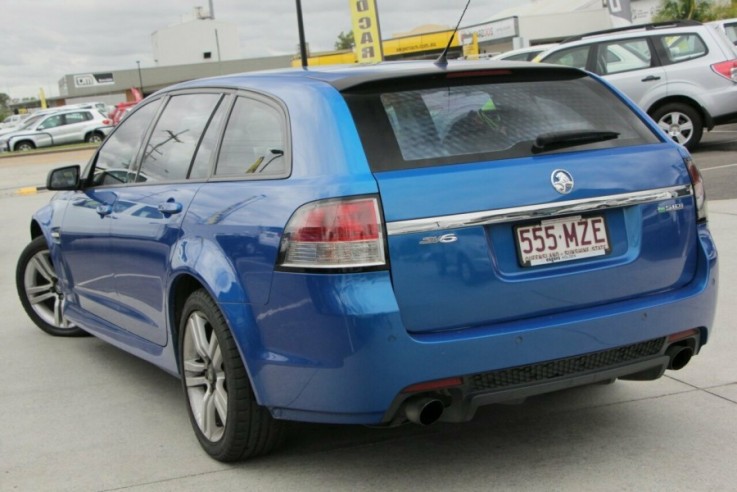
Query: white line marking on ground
x=717, y=167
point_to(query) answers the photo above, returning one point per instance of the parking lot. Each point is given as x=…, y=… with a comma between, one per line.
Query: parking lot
x=81, y=415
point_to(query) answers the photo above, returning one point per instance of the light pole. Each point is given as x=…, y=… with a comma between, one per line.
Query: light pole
x=140, y=79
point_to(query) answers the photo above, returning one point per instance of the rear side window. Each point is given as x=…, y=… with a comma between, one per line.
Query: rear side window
x=202, y=162
x=80, y=117
x=486, y=119
x=682, y=47
x=623, y=56
x=254, y=142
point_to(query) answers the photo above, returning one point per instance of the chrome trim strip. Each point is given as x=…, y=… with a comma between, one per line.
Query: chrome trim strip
x=530, y=212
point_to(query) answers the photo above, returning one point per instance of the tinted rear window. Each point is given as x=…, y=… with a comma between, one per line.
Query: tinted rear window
x=454, y=120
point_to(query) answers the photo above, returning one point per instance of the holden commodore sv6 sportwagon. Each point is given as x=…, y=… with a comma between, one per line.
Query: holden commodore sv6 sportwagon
x=378, y=245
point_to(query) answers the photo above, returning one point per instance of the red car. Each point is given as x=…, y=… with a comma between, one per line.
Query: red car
x=120, y=110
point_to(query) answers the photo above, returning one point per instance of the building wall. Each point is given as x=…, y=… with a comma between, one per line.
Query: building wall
x=535, y=28
x=119, y=82
x=109, y=99
x=190, y=42
x=644, y=10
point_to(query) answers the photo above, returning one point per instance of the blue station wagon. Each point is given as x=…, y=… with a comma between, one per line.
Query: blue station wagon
x=378, y=244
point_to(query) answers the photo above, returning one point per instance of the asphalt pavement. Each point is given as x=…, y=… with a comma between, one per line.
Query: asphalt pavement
x=80, y=415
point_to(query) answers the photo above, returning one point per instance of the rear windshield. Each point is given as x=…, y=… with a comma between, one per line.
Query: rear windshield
x=437, y=121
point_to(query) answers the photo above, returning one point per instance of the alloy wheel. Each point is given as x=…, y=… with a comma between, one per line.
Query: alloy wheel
x=678, y=126
x=43, y=292
x=204, y=374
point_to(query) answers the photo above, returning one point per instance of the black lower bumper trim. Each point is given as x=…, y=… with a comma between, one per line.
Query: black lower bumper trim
x=644, y=361
x=546, y=371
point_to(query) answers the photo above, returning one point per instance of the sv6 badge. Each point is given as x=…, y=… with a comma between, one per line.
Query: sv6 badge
x=445, y=238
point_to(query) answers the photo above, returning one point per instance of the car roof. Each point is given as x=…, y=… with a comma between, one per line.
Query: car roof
x=52, y=111
x=344, y=77
x=638, y=30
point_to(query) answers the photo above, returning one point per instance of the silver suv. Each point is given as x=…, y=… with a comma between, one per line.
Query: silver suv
x=684, y=74
x=58, y=128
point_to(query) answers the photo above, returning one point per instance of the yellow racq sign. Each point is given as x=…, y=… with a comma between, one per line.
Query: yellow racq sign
x=366, y=31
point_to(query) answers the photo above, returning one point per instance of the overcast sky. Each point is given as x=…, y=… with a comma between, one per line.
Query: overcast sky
x=43, y=40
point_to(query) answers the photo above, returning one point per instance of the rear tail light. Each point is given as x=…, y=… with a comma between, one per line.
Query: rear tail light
x=107, y=122
x=698, y=189
x=334, y=234
x=727, y=69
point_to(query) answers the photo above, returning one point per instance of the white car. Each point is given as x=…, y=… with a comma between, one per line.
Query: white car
x=57, y=128
x=682, y=73
x=523, y=54
x=12, y=122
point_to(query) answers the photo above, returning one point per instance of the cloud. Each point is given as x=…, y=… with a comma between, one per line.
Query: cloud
x=43, y=40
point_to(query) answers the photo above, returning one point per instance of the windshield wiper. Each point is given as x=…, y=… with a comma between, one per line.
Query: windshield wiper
x=570, y=138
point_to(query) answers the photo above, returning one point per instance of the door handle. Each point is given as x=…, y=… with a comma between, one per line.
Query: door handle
x=170, y=207
x=650, y=78
x=103, y=210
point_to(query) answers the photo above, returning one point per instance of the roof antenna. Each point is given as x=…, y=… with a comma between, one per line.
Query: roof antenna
x=442, y=60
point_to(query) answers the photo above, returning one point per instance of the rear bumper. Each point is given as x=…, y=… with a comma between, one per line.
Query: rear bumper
x=335, y=349
x=642, y=361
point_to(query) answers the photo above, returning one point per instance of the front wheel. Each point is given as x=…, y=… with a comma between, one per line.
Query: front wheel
x=681, y=122
x=39, y=291
x=228, y=422
x=24, y=146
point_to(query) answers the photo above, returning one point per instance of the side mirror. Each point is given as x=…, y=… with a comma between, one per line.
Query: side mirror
x=63, y=178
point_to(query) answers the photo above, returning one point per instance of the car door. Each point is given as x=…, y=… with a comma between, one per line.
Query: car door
x=74, y=128
x=48, y=130
x=148, y=212
x=631, y=65
x=84, y=234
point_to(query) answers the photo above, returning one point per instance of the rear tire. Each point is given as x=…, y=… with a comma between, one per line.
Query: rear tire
x=681, y=122
x=95, y=138
x=226, y=419
x=39, y=292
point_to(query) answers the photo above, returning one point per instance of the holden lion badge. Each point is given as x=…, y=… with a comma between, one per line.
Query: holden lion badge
x=562, y=181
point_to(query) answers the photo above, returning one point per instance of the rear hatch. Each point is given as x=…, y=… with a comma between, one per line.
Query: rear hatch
x=514, y=194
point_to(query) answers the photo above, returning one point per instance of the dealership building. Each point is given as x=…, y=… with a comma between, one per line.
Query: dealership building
x=205, y=47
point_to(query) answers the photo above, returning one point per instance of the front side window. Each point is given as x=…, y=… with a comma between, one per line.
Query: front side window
x=52, y=122
x=682, y=47
x=466, y=120
x=175, y=137
x=572, y=57
x=254, y=143
x=117, y=154
x=30, y=122
x=522, y=56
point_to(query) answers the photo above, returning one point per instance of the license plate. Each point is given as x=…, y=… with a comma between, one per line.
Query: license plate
x=558, y=240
